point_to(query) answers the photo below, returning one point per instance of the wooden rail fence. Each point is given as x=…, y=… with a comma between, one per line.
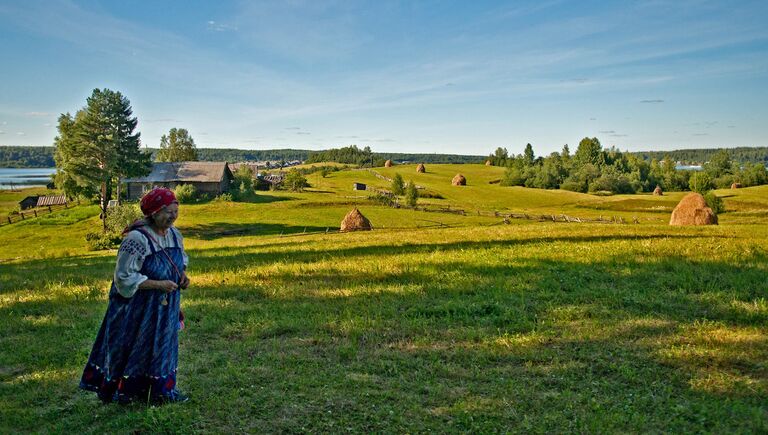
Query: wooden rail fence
x=12, y=218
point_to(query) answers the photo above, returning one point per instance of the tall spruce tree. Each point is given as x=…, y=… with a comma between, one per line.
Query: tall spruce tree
x=177, y=146
x=98, y=146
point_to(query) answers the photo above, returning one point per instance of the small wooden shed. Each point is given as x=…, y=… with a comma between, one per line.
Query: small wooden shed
x=358, y=186
x=28, y=202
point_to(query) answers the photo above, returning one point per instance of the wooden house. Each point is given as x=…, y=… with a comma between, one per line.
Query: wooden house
x=212, y=178
x=28, y=202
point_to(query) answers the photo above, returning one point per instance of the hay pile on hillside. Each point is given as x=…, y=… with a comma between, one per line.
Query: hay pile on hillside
x=420, y=168
x=736, y=186
x=355, y=221
x=388, y=164
x=459, y=180
x=657, y=191
x=487, y=163
x=693, y=210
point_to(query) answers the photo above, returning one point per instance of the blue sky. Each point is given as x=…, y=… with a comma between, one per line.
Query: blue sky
x=420, y=76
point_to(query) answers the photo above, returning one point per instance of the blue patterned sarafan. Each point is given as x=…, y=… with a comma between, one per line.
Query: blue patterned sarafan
x=136, y=350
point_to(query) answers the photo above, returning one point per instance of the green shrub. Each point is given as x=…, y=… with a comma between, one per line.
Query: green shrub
x=120, y=216
x=411, y=194
x=98, y=241
x=185, y=193
x=714, y=202
x=225, y=197
x=700, y=183
x=294, y=181
x=398, y=185
x=382, y=199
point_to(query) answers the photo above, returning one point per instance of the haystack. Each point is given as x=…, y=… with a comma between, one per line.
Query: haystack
x=459, y=180
x=487, y=163
x=388, y=164
x=420, y=168
x=736, y=186
x=355, y=221
x=657, y=191
x=693, y=210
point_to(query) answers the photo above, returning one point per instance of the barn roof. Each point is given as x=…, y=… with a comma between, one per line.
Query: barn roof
x=191, y=172
x=45, y=201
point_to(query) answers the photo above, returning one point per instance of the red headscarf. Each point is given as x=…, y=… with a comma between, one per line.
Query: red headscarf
x=156, y=199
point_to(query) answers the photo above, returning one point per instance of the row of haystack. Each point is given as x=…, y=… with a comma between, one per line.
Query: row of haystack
x=692, y=210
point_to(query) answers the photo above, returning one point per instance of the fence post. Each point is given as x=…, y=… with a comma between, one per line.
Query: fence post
x=22, y=215
x=49, y=209
x=35, y=212
x=9, y=220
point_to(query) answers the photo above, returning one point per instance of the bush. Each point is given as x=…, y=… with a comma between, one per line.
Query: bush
x=120, y=216
x=714, y=202
x=382, y=199
x=398, y=185
x=411, y=194
x=100, y=241
x=700, y=183
x=224, y=197
x=294, y=181
x=185, y=193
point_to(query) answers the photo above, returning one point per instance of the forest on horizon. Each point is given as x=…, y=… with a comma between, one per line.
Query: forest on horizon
x=42, y=156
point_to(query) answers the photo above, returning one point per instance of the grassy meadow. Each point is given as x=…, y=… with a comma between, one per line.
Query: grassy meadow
x=431, y=322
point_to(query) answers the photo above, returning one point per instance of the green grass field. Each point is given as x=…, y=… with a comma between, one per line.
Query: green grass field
x=431, y=322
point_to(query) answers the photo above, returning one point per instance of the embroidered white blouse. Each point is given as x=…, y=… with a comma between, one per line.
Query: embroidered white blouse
x=130, y=258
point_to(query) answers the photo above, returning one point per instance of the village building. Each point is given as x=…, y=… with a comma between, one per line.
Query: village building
x=212, y=178
x=28, y=202
x=42, y=201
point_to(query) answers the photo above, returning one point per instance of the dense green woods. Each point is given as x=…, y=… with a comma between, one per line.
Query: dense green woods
x=42, y=157
x=594, y=169
x=354, y=155
x=701, y=155
x=26, y=157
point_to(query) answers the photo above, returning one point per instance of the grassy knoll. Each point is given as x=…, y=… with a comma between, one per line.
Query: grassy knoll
x=477, y=327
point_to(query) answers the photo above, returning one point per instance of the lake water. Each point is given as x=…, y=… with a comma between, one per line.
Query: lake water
x=24, y=177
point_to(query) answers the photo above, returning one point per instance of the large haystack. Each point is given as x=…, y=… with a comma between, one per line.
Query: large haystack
x=355, y=221
x=657, y=191
x=388, y=164
x=459, y=180
x=736, y=186
x=693, y=210
x=488, y=163
x=420, y=168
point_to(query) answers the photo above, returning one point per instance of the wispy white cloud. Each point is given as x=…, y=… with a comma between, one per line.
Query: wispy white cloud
x=220, y=27
x=20, y=133
x=38, y=114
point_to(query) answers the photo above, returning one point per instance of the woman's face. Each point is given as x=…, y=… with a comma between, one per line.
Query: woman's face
x=166, y=216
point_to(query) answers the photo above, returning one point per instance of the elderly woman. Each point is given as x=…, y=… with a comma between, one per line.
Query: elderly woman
x=136, y=350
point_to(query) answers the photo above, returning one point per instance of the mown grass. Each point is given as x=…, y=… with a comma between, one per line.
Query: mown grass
x=480, y=327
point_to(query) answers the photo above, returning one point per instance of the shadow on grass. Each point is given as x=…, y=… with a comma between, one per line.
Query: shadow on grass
x=216, y=230
x=624, y=344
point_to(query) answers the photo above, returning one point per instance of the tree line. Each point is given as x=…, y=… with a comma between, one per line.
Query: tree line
x=365, y=157
x=595, y=169
x=26, y=157
x=701, y=156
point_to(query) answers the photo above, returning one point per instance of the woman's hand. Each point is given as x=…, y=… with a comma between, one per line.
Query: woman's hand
x=167, y=285
x=184, y=281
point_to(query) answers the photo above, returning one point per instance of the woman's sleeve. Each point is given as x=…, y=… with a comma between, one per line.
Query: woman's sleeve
x=183, y=251
x=130, y=258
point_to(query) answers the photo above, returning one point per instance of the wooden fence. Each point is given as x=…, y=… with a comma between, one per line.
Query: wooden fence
x=12, y=218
